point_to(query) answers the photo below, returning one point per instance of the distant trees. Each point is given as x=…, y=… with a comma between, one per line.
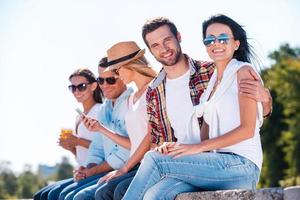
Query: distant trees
x=8, y=181
x=281, y=132
x=65, y=169
x=27, y=183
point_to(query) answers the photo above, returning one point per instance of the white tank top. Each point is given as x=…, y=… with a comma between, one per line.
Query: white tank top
x=229, y=118
x=136, y=120
x=222, y=113
x=83, y=132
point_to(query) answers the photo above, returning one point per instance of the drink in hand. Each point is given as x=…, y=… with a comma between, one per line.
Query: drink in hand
x=65, y=132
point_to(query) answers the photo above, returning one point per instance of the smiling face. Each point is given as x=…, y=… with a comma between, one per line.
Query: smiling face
x=87, y=93
x=219, y=51
x=111, y=91
x=164, y=46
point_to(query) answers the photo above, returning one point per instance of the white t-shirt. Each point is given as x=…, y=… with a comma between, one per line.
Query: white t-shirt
x=180, y=108
x=82, y=132
x=136, y=120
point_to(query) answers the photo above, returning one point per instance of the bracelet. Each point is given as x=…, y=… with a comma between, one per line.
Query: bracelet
x=269, y=114
x=271, y=109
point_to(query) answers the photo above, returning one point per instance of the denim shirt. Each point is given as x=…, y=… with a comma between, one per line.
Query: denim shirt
x=96, y=151
x=113, y=118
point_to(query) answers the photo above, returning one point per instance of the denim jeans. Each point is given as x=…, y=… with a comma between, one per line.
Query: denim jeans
x=42, y=193
x=106, y=190
x=122, y=187
x=54, y=192
x=69, y=191
x=115, y=188
x=163, y=177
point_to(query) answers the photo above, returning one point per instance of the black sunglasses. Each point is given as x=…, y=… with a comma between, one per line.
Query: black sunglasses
x=109, y=80
x=80, y=87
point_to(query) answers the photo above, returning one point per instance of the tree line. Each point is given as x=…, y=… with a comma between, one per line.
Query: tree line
x=281, y=131
x=25, y=184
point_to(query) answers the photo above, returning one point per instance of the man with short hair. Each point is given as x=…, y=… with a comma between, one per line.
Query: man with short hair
x=170, y=103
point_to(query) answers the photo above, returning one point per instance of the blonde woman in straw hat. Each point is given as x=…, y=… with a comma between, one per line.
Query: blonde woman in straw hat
x=128, y=62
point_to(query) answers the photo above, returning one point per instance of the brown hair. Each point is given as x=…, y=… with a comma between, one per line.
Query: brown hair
x=90, y=77
x=153, y=24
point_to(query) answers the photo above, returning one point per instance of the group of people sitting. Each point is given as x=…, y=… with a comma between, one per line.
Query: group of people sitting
x=193, y=126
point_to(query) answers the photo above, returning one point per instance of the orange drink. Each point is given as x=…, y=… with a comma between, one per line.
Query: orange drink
x=65, y=132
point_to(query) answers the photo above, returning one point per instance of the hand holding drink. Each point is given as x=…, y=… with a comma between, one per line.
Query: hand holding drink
x=67, y=140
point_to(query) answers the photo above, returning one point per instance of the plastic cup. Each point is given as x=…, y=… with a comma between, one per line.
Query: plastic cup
x=65, y=132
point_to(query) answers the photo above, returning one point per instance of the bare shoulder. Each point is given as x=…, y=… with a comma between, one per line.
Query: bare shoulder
x=244, y=73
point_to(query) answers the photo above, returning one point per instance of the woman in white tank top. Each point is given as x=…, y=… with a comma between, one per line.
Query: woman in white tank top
x=229, y=155
x=87, y=92
x=127, y=60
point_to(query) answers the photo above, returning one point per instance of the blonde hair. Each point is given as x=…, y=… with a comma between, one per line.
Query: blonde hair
x=141, y=65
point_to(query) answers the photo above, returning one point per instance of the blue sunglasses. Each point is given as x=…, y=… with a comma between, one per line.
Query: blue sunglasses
x=211, y=39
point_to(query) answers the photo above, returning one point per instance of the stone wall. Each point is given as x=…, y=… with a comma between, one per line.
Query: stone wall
x=290, y=193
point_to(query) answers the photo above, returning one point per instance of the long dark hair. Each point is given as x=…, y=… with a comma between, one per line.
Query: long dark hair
x=90, y=77
x=245, y=51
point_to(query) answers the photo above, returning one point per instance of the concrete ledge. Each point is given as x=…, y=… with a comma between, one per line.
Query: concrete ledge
x=291, y=193
x=220, y=194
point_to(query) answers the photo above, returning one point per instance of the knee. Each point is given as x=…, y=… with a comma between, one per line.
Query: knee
x=44, y=195
x=151, y=195
x=69, y=196
x=119, y=193
x=53, y=195
x=62, y=195
x=102, y=195
x=79, y=196
x=150, y=157
x=37, y=196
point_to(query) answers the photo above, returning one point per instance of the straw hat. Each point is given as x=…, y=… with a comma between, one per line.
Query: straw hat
x=123, y=53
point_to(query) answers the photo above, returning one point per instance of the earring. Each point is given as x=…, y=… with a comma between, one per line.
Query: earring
x=236, y=48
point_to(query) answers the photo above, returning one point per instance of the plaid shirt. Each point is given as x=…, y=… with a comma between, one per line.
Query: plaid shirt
x=161, y=130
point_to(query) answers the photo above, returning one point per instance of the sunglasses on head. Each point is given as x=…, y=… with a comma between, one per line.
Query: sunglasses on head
x=80, y=87
x=211, y=39
x=109, y=80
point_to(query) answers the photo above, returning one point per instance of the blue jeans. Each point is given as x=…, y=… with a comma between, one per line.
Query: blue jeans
x=70, y=191
x=163, y=177
x=43, y=193
x=115, y=188
x=45, y=190
x=122, y=188
x=105, y=190
x=54, y=192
